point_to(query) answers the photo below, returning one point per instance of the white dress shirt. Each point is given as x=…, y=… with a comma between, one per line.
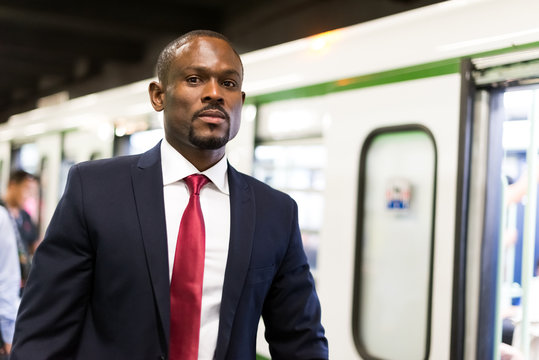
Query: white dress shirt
x=10, y=276
x=215, y=204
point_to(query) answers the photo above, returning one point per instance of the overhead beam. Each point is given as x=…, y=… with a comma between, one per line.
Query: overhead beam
x=70, y=44
x=50, y=20
x=16, y=63
x=115, y=20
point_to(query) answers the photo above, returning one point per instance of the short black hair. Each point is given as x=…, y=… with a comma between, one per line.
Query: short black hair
x=169, y=52
x=19, y=176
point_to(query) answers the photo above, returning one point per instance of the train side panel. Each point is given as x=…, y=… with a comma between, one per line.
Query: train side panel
x=432, y=102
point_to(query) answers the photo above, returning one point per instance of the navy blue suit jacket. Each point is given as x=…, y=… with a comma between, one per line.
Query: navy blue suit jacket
x=99, y=286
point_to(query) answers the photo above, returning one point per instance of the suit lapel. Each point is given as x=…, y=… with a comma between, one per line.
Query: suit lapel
x=242, y=225
x=148, y=191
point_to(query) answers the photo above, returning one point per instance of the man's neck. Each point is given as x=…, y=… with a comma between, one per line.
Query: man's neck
x=200, y=158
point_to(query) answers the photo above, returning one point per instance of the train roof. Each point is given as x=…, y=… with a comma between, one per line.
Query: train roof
x=435, y=34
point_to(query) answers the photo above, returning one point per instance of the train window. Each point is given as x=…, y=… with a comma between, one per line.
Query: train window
x=394, y=247
x=289, y=155
x=26, y=157
x=137, y=142
x=292, y=119
x=136, y=134
x=144, y=140
x=297, y=169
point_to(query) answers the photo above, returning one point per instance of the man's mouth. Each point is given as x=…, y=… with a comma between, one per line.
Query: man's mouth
x=212, y=116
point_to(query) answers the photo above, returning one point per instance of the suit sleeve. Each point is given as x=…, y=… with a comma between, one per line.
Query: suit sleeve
x=292, y=311
x=55, y=299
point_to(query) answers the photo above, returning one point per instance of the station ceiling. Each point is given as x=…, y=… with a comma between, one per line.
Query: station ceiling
x=80, y=47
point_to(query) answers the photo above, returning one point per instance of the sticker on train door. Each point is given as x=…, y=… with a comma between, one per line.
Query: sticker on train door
x=398, y=192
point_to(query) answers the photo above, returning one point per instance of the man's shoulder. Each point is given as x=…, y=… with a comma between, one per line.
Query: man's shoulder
x=103, y=172
x=119, y=166
x=119, y=163
x=114, y=162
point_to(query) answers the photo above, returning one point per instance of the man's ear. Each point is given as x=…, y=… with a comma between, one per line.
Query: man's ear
x=157, y=95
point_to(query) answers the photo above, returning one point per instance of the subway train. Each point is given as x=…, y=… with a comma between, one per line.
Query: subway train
x=409, y=144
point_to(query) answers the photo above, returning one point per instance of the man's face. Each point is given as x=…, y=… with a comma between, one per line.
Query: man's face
x=24, y=191
x=202, y=95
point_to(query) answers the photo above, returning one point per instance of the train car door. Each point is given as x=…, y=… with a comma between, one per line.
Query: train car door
x=417, y=120
x=384, y=152
x=503, y=246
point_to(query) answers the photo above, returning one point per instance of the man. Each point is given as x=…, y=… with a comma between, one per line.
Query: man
x=10, y=282
x=21, y=187
x=101, y=286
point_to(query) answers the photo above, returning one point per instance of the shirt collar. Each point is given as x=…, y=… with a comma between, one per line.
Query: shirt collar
x=175, y=167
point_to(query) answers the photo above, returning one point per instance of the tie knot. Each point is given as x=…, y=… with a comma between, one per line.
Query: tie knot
x=195, y=182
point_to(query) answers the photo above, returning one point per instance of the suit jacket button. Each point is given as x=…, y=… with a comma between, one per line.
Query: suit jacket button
x=162, y=357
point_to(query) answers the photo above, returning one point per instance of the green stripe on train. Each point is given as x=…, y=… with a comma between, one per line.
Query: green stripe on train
x=260, y=357
x=436, y=68
x=385, y=77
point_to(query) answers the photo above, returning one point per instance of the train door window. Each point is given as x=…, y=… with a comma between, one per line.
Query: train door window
x=517, y=284
x=297, y=169
x=394, y=248
x=137, y=134
x=290, y=156
x=25, y=157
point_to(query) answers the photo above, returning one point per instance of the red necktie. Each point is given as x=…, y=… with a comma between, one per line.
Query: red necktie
x=187, y=274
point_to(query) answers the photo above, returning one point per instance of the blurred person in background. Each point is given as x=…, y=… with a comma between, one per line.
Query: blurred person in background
x=10, y=282
x=23, y=188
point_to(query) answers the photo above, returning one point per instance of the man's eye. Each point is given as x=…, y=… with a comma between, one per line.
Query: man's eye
x=193, y=80
x=229, y=83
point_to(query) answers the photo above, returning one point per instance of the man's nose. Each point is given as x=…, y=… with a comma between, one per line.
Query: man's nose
x=212, y=92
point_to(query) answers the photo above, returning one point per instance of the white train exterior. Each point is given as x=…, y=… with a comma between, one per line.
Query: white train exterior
x=396, y=110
